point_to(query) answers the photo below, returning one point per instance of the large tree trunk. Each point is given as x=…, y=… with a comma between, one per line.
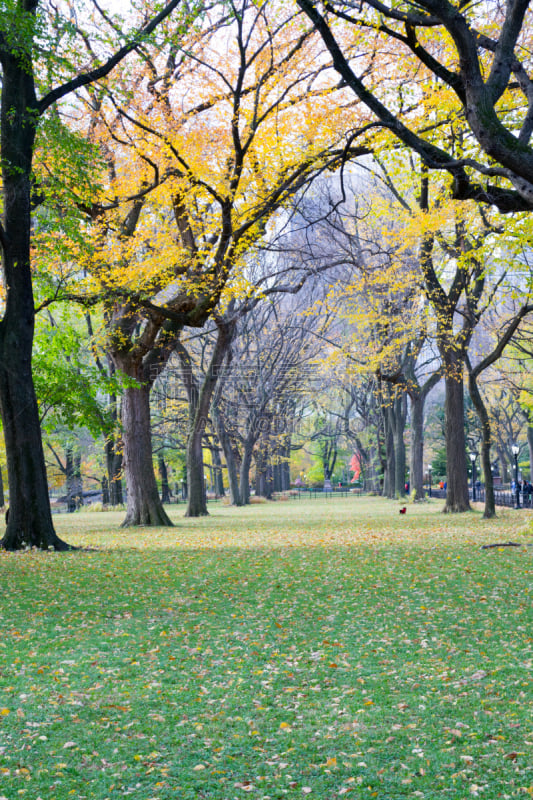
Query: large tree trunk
x=197, y=498
x=276, y=476
x=30, y=519
x=457, y=499
x=144, y=506
x=105, y=491
x=479, y=405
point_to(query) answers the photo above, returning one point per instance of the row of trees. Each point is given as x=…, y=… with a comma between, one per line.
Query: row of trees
x=149, y=181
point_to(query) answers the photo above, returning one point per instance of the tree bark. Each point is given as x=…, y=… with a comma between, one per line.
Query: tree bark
x=197, y=498
x=286, y=469
x=457, y=499
x=218, y=477
x=479, y=405
x=200, y=403
x=144, y=506
x=70, y=479
x=163, y=473
x=30, y=519
x=229, y=455
x=399, y=415
x=246, y=464
x=389, y=475
x=417, y=446
x=114, y=470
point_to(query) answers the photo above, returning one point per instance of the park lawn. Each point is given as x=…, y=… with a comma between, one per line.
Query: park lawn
x=302, y=648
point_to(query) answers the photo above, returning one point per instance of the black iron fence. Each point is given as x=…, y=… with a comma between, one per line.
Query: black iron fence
x=502, y=497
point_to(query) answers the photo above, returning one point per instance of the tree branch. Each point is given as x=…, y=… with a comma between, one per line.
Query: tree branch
x=101, y=72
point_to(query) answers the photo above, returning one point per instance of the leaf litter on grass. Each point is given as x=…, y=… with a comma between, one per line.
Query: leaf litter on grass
x=275, y=654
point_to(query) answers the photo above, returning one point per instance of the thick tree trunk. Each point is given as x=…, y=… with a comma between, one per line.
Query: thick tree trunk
x=105, y=491
x=276, y=477
x=456, y=469
x=144, y=506
x=197, y=499
x=2, y=498
x=479, y=405
x=30, y=519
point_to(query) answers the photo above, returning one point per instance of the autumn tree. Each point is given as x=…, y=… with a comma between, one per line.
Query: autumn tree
x=465, y=66
x=218, y=135
x=467, y=72
x=39, y=68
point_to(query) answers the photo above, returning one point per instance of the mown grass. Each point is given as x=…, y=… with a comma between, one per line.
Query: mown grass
x=315, y=648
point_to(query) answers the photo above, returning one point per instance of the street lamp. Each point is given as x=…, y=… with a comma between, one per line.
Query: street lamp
x=473, y=457
x=515, y=450
x=429, y=478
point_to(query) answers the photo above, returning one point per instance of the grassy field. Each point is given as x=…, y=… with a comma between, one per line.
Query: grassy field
x=296, y=648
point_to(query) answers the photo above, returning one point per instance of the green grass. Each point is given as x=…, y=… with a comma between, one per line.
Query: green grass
x=315, y=648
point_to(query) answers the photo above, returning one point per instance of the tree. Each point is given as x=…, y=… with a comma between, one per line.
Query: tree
x=211, y=170
x=484, y=103
x=24, y=63
x=467, y=67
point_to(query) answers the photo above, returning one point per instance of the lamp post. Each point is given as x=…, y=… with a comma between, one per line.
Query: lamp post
x=473, y=457
x=429, y=478
x=515, y=450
